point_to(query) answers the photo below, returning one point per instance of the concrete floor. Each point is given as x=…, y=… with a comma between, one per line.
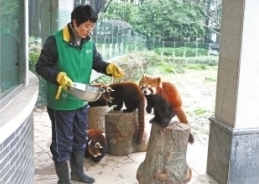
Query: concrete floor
x=112, y=169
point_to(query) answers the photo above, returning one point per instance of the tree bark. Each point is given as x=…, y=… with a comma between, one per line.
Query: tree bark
x=165, y=161
x=96, y=117
x=121, y=130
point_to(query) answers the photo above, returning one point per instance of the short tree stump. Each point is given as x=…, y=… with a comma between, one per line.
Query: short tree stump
x=120, y=132
x=96, y=117
x=165, y=161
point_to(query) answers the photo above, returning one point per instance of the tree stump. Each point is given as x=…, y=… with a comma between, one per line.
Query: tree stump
x=165, y=161
x=96, y=117
x=121, y=129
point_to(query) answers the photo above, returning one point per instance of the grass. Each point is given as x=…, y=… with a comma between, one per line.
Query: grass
x=200, y=111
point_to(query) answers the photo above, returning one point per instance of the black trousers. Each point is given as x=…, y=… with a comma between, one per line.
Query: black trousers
x=68, y=132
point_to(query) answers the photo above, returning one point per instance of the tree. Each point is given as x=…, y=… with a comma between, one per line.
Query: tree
x=211, y=10
x=169, y=20
x=121, y=11
x=100, y=5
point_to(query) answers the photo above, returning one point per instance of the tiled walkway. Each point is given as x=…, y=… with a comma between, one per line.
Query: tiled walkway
x=112, y=169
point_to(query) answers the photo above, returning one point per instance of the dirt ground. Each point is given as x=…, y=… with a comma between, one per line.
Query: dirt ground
x=198, y=90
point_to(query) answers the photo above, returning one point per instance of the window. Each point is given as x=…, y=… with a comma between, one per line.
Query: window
x=12, y=47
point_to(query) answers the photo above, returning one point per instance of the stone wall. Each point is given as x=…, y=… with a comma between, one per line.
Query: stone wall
x=17, y=155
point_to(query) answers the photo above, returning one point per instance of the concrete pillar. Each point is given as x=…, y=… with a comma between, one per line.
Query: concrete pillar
x=234, y=132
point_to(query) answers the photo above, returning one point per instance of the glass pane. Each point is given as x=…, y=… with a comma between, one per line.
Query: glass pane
x=9, y=60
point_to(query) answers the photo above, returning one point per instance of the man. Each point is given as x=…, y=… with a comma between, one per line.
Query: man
x=69, y=56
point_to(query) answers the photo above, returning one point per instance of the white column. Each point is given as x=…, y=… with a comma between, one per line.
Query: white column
x=234, y=131
x=237, y=96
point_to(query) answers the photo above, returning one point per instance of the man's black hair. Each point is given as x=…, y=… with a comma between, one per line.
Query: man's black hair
x=84, y=13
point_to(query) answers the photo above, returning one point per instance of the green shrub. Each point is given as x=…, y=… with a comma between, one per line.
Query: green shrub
x=33, y=57
x=135, y=64
x=179, y=52
x=34, y=53
x=209, y=60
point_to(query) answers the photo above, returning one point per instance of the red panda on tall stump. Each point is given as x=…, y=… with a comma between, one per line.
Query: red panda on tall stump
x=128, y=94
x=165, y=99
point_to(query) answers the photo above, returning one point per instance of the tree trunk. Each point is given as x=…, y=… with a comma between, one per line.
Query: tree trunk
x=165, y=161
x=96, y=117
x=121, y=130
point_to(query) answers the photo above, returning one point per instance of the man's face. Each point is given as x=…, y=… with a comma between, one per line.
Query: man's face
x=84, y=29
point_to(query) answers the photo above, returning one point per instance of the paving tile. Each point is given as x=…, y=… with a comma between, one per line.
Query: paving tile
x=42, y=136
x=101, y=167
x=37, y=148
x=108, y=164
x=116, y=178
x=137, y=157
x=200, y=167
x=43, y=166
x=45, y=146
x=196, y=152
x=202, y=179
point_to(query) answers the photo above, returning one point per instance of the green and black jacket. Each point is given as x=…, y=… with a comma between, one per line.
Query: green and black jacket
x=61, y=53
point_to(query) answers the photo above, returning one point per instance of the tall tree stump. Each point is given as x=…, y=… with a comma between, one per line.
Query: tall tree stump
x=96, y=117
x=165, y=161
x=120, y=132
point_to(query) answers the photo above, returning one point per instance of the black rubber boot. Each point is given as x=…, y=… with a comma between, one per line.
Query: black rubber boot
x=77, y=168
x=62, y=171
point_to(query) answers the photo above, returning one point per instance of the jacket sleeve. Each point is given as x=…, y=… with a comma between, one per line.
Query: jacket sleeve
x=99, y=64
x=48, y=57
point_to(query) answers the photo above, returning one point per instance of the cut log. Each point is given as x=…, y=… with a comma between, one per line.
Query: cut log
x=121, y=130
x=96, y=117
x=165, y=161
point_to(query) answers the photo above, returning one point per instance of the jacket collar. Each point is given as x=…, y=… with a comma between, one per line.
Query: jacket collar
x=70, y=37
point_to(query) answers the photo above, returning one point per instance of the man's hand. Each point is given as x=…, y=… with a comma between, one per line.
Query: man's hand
x=64, y=80
x=115, y=70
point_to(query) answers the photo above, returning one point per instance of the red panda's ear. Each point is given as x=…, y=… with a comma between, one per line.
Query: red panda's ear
x=98, y=145
x=159, y=82
x=109, y=89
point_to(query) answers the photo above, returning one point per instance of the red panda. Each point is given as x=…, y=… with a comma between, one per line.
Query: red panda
x=96, y=145
x=104, y=98
x=126, y=93
x=162, y=110
x=151, y=86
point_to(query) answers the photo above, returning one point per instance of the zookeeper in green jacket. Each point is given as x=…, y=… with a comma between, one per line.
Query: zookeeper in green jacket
x=70, y=55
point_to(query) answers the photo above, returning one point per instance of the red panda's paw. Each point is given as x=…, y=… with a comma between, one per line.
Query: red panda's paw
x=155, y=119
x=165, y=121
x=116, y=109
x=164, y=124
x=152, y=120
x=148, y=110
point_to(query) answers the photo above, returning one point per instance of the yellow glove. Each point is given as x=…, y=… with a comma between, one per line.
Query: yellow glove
x=64, y=80
x=115, y=70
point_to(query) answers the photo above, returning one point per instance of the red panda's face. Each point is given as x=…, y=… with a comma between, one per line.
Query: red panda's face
x=107, y=94
x=149, y=85
x=147, y=89
x=95, y=149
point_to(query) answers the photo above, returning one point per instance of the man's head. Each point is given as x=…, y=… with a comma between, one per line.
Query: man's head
x=83, y=19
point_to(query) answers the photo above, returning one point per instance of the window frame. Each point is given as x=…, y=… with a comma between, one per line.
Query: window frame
x=10, y=94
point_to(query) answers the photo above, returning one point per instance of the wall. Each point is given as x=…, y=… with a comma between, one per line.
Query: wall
x=17, y=137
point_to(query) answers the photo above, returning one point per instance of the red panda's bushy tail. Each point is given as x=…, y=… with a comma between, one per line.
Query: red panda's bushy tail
x=181, y=116
x=183, y=119
x=141, y=120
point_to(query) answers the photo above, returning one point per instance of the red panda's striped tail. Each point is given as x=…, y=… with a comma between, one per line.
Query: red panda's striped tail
x=141, y=121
